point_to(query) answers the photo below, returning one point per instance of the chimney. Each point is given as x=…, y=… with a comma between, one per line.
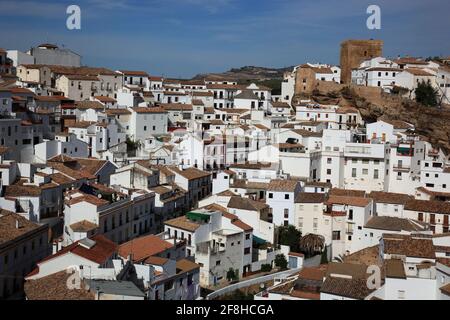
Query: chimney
x=17, y=224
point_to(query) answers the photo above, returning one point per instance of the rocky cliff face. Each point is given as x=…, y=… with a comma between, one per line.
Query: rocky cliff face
x=432, y=123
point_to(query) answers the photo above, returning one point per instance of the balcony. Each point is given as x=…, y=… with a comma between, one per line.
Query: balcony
x=335, y=213
x=401, y=168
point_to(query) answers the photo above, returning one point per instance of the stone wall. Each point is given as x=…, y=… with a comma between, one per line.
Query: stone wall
x=353, y=52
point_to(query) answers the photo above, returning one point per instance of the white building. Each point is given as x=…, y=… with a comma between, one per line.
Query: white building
x=104, y=211
x=218, y=241
x=145, y=122
x=281, y=198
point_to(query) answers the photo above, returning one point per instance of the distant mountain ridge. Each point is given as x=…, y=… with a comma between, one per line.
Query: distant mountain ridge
x=248, y=73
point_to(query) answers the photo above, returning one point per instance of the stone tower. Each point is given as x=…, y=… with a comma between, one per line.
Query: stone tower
x=353, y=52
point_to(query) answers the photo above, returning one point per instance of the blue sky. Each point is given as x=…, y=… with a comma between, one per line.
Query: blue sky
x=180, y=38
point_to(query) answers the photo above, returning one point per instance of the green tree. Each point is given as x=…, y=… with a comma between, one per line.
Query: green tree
x=281, y=262
x=289, y=236
x=266, y=267
x=232, y=275
x=131, y=145
x=312, y=244
x=426, y=94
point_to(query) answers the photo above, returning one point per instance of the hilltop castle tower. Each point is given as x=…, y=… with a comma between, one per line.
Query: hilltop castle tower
x=353, y=52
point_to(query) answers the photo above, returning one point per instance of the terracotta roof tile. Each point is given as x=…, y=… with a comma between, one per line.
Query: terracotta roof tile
x=148, y=110
x=352, y=201
x=283, y=185
x=190, y=173
x=185, y=265
x=182, y=223
x=310, y=197
x=54, y=287
x=433, y=206
x=83, y=226
x=87, y=198
x=393, y=224
x=8, y=226
x=101, y=252
x=389, y=197
x=144, y=247
x=408, y=246
x=237, y=202
x=347, y=192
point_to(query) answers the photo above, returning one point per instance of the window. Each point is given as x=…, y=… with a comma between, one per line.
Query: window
x=401, y=294
x=350, y=214
x=270, y=195
x=247, y=250
x=336, y=235
x=353, y=172
x=432, y=219
x=247, y=236
x=286, y=196
x=300, y=222
x=286, y=213
x=145, y=128
x=328, y=171
x=218, y=263
x=375, y=174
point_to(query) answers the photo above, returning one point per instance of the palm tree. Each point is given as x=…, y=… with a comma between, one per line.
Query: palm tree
x=312, y=244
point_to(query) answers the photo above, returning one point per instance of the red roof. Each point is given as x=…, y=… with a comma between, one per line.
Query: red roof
x=144, y=247
x=99, y=253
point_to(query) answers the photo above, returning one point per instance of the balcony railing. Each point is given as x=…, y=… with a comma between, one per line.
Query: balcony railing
x=402, y=168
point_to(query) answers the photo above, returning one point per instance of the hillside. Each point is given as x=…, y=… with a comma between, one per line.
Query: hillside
x=269, y=77
x=429, y=122
x=248, y=73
